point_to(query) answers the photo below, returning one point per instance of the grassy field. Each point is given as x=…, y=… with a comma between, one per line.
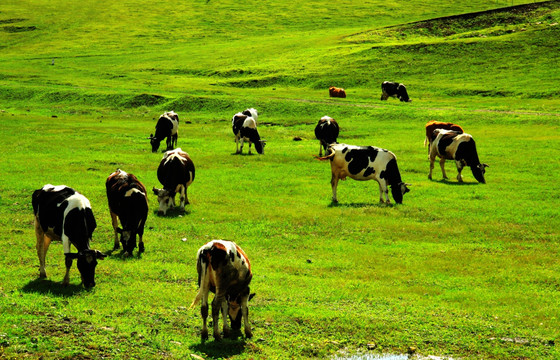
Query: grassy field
x=466, y=271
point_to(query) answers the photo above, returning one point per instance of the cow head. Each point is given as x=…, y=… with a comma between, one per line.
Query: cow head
x=234, y=308
x=398, y=191
x=128, y=240
x=87, y=261
x=478, y=172
x=402, y=94
x=154, y=142
x=259, y=146
x=166, y=200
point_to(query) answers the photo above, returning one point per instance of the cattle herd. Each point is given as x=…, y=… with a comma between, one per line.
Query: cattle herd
x=223, y=268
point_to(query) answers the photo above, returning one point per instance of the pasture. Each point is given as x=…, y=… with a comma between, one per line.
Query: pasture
x=466, y=270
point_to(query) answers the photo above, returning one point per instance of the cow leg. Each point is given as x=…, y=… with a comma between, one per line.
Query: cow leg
x=140, y=237
x=204, y=313
x=225, y=308
x=432, y=161
x=68, y=263
x=43, y=242
x=442, y=165
x=320, y=148
x=459, y=169
x=217, y=304
x=115, y=223
x=250, y=147
x=383, y=190
x=334, y=184
x=241, y=147
x=182, y=196
x=384, y=96
x=174, y=141
x=245, y=314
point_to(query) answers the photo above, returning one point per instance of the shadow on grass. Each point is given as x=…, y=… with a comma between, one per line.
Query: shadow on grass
x=225, y=348
x=46, y=286
x=455, y=183
x=173, y=213
x=360, y=205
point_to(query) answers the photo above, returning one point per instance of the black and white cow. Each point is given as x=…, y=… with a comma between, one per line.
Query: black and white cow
x=224, y=269
x=394, y=89
x=452, y=145
x=167, y=128
x=251, y=112
x=366, y=163
x=245, y=129
x=326, y=132
x=61, y=213
x=128, y=202
x=175, y=173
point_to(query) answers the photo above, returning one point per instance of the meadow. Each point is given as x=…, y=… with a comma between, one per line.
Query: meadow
x=461, y=271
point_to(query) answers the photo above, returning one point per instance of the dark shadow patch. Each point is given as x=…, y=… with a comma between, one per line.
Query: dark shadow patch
x=143, y=100
x=454, y=182
x=18, y=29
x=226, y=348
x=359, y=205
x=173, y=213
x=49, y=287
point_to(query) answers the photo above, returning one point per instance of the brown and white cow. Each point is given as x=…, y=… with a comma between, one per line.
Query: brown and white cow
x=61, y=213
x=366, y=163
x=175, y=173
x=432, y=125
x=337, y=92
x=393, y=89
x=128, y=202
x=224, y=269
x=451, y=145
x=326, y=132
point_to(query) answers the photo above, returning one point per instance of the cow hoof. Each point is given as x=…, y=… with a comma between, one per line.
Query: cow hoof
x=42, y=275
x=248, y=334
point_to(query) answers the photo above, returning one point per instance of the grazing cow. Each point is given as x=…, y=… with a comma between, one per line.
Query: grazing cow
x=394, y=89
x=224, y=269
x=432, y=125
x=326, y=132
x=166, y=128
x=252, y=113
x=366, y=163
x=451, y=145
x=61, y=213
x=175, y=173
x=245, y=129
x=127, y=201
x=337, y=92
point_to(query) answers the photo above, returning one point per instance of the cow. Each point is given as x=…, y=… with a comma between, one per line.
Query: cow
x=395, y=90
x=245, y=129
x=326, y=132
x=366, y=163
x=337, y=92
x=175, y=172
x=61, y=213
x=251, y=112
x=432, y=125
x=128, y=202
x=451, y=145
x=224, y=269
x=167, y=128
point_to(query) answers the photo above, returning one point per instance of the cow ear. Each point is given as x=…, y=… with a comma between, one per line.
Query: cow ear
x=251, y=296
x=485, y=165
x=156, y=191
x=100, y=255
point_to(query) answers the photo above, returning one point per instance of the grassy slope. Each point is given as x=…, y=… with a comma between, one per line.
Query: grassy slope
x=484, y=284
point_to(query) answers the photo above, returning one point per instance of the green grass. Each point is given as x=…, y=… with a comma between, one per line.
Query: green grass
x=460, y=270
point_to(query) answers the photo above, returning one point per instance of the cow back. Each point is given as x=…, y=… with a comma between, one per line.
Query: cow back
x=127, y=197
x=175, y=168
x=327, y=129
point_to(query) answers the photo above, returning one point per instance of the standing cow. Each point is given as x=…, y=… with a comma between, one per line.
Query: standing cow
x=451, y=145
x=61, y=213
x=326, y=132
x=167, y=128
x=245, y=129
x=175, y=173
x=127, y=201
x=431, y=126
x=395, y=90
x=224, y=269
x=366, y=163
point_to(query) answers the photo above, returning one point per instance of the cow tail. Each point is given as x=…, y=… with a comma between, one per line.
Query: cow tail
x=326, y=157
x=425, y=141
x=202, y=274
